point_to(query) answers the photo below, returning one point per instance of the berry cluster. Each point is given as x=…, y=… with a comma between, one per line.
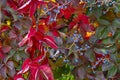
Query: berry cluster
x=100, y=3
x=101, y=59
x=106, y=61
x=79, y=43
x=54, y=11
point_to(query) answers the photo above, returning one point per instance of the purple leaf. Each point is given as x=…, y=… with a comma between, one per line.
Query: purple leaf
x=6, y=49
x=10, y=65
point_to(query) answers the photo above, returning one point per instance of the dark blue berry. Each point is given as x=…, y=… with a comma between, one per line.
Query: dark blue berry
x=74, y=35
x=110, y=4
x=76, y=60
x=76, y=40
x=45, y=9
x=77, y=47
x=56, y=11
x=48, y=13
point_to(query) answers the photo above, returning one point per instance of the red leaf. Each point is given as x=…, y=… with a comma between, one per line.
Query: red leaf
x=47, y=72
x=13, y=4
x=41, y=28
x=21, y=1
x=31, y=51
x=71, y=25
x=34, y=73
x=39, y=36
x=31, y=5
x=34, y=65
x=32, y=9
x=25, y=6
x=50, y=41
x=4, y=28
x=41, y=57
x=38, y=2
x=67, y=13
x=24, y=41
x=55, y=33
x=83, y=18
x=30, y=43
x=98, y=55
x=18, y=77
x=27, y=37
x=31, y=32
x=25, y=66
x=1, y=53
x=45, y=61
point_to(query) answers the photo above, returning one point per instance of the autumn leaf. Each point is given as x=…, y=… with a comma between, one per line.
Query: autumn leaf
x=18, y=77
x=30, y=5
x=46, y=70
x=34, y=68
x=1, y=53
x=4, y=28
x=67, y=13
x=13, y=4
x=50, y=41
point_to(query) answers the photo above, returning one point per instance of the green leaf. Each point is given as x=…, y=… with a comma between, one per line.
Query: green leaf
x=106, y=66
x=119, y=68
x=113, y=57
x=111, y=49
x=112, y=72
x=59, y=62
x=101, y=50
x=117, y=34
x=68, y=76
x=23, y=55
x=116, y=23
x=103, y=22
x=61, y=72
x=93, y=39
x=102, y=32
x=108, y=41
x=118, y=57
x=97, y=12
x=89, y=54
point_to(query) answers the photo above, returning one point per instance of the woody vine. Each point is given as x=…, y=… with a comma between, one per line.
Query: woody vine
x=59, y=39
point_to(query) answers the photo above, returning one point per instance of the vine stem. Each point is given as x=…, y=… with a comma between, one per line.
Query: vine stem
x=38, y=17
x=38, y=12
x=57, y=6
x=71, y=46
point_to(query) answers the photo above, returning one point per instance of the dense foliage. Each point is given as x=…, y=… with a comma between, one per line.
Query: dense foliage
x=59, y=39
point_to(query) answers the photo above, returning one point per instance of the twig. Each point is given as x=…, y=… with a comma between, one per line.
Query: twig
x=57, y=6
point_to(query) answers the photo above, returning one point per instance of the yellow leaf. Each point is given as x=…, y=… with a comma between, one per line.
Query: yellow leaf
x=53, y=1
x=88, y=34
x=95, y=24
x=8, y=22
